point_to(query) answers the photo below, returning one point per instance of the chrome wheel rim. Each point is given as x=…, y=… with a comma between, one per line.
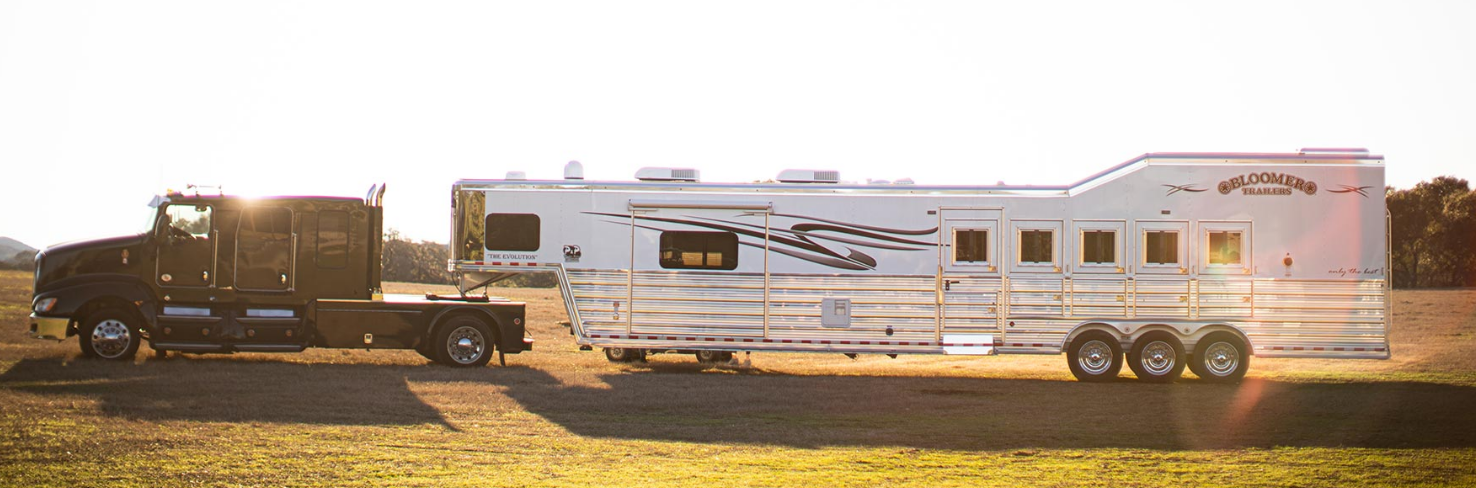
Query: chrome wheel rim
x=111, y=338
x=1158, y=358
x=465, y=344
x=1221, y=359
x=1094, y=357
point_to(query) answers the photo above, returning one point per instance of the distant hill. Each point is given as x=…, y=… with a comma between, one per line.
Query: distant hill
x=16, y=254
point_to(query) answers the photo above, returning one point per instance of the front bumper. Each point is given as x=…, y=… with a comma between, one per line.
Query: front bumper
x=54, y=328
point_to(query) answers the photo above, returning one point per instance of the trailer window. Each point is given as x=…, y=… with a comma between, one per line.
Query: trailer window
x=971, y=246
x=1224, y=247
x=333, y=236
x=1161, y=247
x=1036, y=246
x=699, y=250
x=1099, y=247
x=512, y=232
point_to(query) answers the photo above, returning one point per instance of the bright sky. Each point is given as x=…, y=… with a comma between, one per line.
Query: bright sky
x=104, y=104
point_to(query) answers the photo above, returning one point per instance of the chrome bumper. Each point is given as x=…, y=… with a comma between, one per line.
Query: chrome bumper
x=54, y=328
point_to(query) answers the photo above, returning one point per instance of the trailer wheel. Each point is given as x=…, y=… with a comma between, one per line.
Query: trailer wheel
x=109, y=334
x=1095, y=356
x=714, y=357
x=1221, y=358
x=1157, y=357
x=624, y=355
x=463, y=341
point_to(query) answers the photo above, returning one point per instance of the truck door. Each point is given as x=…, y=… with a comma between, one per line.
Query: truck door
x=969, y=271
x=264, y=257
x=186, y=246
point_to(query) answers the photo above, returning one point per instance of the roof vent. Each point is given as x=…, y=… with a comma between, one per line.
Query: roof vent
x=574, y=171
x=516, y=176
x=904, y=181
x=1332, y=150
x=667, y=174
x=808, y=176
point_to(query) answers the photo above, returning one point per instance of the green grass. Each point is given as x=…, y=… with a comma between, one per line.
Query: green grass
x=560, y=417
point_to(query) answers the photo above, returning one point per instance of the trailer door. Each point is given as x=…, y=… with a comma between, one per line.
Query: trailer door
x=969, y=283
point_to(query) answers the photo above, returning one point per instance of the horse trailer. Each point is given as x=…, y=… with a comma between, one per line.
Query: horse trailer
x=1164, y=261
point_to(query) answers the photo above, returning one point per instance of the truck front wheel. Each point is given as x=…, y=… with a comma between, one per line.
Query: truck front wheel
x=109, y=334
x=463, y=342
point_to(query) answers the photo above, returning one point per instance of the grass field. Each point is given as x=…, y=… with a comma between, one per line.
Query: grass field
x=560, y=417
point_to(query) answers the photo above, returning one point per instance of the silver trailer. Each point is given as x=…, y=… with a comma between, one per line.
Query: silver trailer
x=1169, y=259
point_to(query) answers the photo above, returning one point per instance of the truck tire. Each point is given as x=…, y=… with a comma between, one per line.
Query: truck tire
x=1220, y=357
x=463, y=341
x=1094, y=356
x=1157, y=357
x=111, y=334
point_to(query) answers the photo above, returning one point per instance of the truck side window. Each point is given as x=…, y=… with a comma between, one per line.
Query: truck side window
x=512, y=232
x=333, y=237
x=189, y=222
x=698, y=250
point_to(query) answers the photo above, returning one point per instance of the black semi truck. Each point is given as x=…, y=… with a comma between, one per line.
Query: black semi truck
x=222, y=274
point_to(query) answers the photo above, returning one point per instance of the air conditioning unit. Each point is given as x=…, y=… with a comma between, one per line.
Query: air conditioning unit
x=667, y=174
x=809, y=176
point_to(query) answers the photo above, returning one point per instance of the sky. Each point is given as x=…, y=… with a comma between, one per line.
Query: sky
x=105, y=104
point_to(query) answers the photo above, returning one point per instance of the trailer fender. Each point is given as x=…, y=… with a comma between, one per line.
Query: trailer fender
x=1128, y=331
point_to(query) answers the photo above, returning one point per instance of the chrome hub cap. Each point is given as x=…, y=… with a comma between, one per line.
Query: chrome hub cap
x=1158, y=358
x=111, y=338
x=465, y=345
x=1221, y=359
x=1094, y=357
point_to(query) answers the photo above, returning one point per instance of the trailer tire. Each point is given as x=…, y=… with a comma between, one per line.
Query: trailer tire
x=111, y=334
x=1220, y=357
x=463, y=341
x=1094, y=356
x=713, y=357
x=624, y=355
x=1157, y=357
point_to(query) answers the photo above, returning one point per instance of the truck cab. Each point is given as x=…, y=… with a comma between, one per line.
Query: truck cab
x=221, y=274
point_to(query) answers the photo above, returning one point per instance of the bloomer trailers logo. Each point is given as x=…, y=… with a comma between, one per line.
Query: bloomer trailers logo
x=1267, y=183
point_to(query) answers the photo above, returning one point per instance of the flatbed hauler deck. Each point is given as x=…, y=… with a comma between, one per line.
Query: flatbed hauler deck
x=221, y=274
x=1173, y=259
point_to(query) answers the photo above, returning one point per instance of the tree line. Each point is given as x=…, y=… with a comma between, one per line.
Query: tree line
x=425, y=262
x=1433, y=233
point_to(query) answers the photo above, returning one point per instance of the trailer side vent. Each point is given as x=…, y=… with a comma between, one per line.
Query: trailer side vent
x=667, y=174
x=808, y=176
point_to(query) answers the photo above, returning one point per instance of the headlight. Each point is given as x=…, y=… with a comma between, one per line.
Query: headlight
x=44, y=305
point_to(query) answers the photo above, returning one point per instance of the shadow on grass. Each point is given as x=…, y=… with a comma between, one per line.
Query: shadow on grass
x=218, y=389
x=681, y=403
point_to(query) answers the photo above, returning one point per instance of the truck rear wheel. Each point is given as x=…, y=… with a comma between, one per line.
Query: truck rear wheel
x=109, y=334
x=1157, y=357
x=1095, y=356
x=463, y=342
x=1221, y=358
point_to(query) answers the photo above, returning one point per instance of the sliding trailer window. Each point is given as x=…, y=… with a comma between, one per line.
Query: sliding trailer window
x=698, y=250
x=513, y=232
x=1037, y=246
x=1163, y=247
x=1225, y=247
x=971, y=247
x=1099, y=245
